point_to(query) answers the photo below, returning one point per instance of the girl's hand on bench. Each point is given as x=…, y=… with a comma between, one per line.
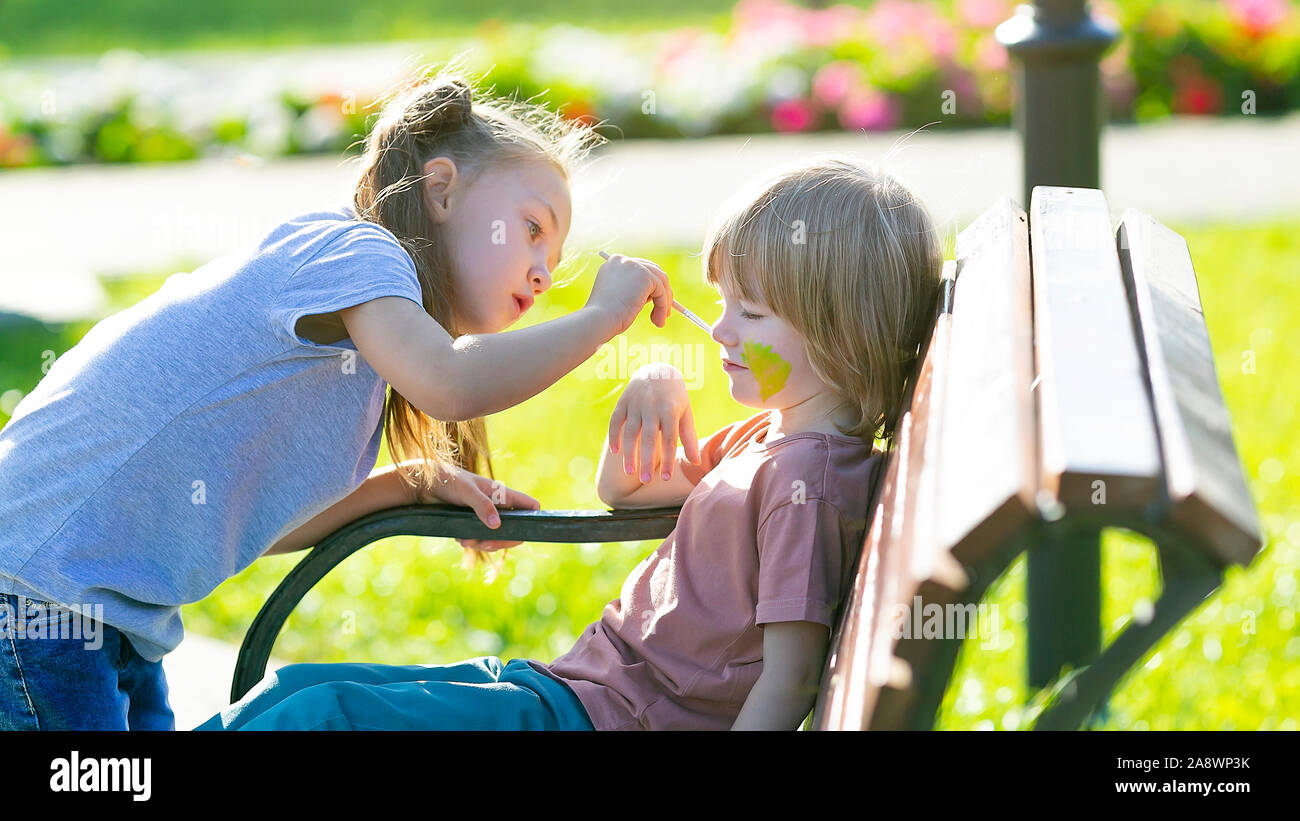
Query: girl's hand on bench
x=457, y=486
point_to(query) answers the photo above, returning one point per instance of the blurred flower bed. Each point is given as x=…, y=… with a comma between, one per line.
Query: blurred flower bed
x=775, y=67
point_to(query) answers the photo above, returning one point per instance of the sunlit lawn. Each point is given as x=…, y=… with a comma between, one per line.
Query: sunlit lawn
x=1233, y=664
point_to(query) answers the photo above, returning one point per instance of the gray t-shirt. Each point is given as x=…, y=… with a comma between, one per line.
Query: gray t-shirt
x=184, y=436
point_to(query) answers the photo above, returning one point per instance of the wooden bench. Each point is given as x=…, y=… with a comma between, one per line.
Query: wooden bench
x=1061, y=391
x=1068, y=385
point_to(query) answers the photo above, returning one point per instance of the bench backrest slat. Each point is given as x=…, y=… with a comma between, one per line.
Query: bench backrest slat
x=1095, y=418
x=1207, y=489
x=861, y=668
x=988, y=458
x=976, y=481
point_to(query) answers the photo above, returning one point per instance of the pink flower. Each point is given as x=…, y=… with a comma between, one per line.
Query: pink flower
x=794, y=115
x=822, y=27
x=834, y=81
x=772, y=20
x=758, y=15
x=990, y=55
x=869, y=109
x=679, y=44
x=940, y=37
x=891, y=20
x=750, y=11
x=983, y=13
x=963, y=86
x=1258, y=17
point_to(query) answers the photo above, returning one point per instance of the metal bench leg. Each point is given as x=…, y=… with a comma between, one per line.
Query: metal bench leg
x=932, y=678
x=1188, y=578
x=255, y=651
x=1063, y=597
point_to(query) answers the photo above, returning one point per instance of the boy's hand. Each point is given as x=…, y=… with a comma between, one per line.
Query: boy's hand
x=457, y=486
x=622, y=287
x=653, y=410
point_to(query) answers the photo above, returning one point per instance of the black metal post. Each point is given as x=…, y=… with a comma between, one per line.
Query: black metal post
x=1057, y=45
x=1063, y=599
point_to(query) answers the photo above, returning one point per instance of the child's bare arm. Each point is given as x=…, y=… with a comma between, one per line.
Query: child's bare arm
x=641, y=447
x=618, y=489
x=479, y=374
x=794, y=653
x=384, y=488
x=476, y=374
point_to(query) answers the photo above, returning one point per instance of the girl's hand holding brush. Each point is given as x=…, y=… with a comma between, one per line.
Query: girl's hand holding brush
x=679, y=306
x=622, y=287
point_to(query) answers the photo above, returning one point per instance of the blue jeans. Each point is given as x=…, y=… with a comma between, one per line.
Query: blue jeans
x=478, y=694
x=53, y=677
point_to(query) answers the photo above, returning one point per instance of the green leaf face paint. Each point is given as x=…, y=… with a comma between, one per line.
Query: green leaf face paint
x=768, y=368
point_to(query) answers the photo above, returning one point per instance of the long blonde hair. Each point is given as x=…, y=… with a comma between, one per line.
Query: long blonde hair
x=851, y=259
x=439, y=115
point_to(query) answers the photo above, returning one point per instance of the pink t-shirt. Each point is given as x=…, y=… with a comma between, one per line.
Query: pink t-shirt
x=770, y=533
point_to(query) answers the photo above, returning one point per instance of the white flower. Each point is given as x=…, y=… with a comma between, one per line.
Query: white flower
x=587, y=59
x=268, y=129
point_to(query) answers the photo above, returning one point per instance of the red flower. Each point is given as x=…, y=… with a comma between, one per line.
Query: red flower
x=16, y=150
x=579, y=111
x=793, y=115
x=1197, y=94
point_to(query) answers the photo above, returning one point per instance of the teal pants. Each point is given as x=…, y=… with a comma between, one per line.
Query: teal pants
x=477, y=694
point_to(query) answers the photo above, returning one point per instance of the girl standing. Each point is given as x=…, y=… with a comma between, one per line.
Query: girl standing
x=238, y=411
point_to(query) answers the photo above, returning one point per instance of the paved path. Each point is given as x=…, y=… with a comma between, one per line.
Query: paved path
x=199, y=673
x=59, y=227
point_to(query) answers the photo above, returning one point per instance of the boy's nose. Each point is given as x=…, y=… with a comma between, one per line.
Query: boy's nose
x=720, y=334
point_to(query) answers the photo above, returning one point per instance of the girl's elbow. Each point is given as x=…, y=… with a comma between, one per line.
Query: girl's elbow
x=446, y=403
x=435, y=408
x=454, y=412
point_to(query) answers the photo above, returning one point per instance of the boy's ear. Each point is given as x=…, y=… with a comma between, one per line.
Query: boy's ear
x=440, y=178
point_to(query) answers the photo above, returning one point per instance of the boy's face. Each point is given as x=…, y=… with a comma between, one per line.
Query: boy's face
x=505, y=230
x=764, y=356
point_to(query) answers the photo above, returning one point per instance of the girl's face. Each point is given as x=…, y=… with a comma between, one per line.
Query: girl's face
x=505, y=231
x=764, y=356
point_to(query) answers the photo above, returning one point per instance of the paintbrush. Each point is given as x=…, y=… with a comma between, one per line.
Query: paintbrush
x=682, y=309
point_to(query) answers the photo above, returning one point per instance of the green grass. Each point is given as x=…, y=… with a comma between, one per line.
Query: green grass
x=34, y=27
x=1233, y=664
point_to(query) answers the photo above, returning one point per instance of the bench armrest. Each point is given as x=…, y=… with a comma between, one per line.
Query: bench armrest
x=449, y=521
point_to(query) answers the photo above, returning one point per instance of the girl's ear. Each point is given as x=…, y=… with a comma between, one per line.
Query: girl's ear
x=440, y=178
